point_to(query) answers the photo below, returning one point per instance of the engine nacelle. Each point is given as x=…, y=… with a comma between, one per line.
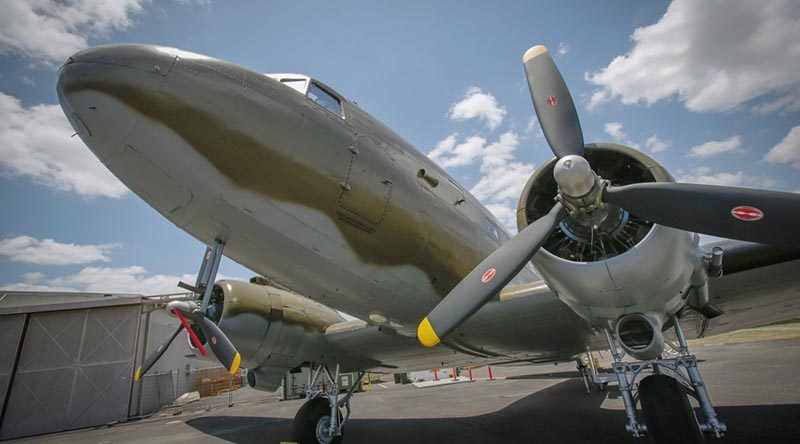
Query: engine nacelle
x=640, y=335
x=274, y=330
x=595, y=263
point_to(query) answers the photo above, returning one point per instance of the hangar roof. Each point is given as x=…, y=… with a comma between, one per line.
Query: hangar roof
x=16, y=302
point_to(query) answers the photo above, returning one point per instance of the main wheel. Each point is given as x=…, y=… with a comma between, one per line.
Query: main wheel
x=667, y=413
x=312, y=421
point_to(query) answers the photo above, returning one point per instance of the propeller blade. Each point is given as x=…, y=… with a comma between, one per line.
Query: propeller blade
x=553, y=103
x=221, y=346
x=487, y=279
x=153, y=357
x=768, y=217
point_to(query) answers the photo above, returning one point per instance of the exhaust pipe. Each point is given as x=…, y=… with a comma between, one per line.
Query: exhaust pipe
x=640, y=335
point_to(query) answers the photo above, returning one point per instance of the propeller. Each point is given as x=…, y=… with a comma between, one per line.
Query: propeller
x=737, y=213
x=220, y=345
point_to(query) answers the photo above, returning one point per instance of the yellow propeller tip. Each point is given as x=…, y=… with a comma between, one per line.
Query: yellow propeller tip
x=426, y=335
x=533, y=52
x=138, y=375
x=237, y=360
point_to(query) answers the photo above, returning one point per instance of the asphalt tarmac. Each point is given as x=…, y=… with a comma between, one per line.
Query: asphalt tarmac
x=754, y=386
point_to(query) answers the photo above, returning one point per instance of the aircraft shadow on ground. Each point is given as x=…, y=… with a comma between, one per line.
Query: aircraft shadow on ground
x=562, y=413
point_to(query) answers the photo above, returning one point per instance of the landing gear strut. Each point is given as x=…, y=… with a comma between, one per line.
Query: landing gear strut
x=667, y=417
x=322, y=418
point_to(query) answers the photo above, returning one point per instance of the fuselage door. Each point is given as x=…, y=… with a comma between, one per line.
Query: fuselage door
x=367, y=188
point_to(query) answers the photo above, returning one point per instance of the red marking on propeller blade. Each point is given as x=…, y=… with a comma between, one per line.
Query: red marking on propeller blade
x=192, y=335
x=551, y=100
x=488, y=275
x=747, y=213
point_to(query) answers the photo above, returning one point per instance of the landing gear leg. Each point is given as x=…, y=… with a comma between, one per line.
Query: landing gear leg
x=667, y=416
x=322, y=418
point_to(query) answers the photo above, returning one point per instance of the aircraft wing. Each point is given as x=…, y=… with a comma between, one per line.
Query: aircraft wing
x=760, y=285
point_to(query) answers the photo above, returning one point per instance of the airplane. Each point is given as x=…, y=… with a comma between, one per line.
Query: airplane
x=336, y=211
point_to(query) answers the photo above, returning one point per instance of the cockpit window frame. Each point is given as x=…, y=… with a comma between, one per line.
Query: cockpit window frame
x=329, y=92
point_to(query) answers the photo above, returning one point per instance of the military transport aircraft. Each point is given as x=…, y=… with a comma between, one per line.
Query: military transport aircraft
x=302, y=186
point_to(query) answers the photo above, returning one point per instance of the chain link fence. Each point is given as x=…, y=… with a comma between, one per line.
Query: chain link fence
x=160, y=390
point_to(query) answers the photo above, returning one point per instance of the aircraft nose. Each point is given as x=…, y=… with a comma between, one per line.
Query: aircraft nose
x=85, y=79
x=148, y=58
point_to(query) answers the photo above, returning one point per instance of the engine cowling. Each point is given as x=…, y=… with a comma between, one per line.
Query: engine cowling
x=603, y=266
x=614, y=231
x=274, y=330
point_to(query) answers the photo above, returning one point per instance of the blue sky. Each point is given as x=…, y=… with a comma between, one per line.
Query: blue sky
x=710, y=89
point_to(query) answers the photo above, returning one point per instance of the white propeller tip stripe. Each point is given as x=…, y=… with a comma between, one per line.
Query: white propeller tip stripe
x=534, y=52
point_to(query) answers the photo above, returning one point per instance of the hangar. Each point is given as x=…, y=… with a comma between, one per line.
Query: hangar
x=67, y=360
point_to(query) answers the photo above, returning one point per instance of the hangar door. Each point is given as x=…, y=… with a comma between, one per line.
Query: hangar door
x=74, y=370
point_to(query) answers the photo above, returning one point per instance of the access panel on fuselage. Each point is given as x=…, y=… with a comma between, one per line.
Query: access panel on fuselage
x=367, y=187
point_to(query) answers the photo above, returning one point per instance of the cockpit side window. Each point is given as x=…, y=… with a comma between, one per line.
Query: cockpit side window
x=325, y=99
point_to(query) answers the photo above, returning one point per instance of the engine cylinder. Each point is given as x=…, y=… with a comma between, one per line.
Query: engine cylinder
x=640, y=335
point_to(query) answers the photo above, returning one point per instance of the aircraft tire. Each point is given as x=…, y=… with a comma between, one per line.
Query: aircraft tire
x=307, y=419
x=667, y=413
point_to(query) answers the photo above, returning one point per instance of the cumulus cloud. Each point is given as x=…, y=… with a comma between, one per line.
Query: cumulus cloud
x=503, y=179
x=706, y=176
x=787, y=151
x=712, y=55
x=49, y=252
x=614, y=129
x=715, y=147
x=36, y=142
x=478, y=104
x=133, y=279
x=563, y=49
x=450, y=153
x=48, y=31
x=655, y=145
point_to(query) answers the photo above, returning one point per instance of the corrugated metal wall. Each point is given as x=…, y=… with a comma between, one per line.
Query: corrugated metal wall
x=74, y=369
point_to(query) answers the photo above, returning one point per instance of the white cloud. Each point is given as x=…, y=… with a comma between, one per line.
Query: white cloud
x=450, y=154
x=707, y=176
x=28, y=81
x=563, y=49
x=715, y=147
x=24, y=286
x=49, y=31
x=477, y=103
x=132, y=279
x=614, y=129
x=503, y=182
x=789, y=102
x=49, y=252
x=788, y=150
x=655, y=145
x=506, y=214
x=36, y=142
x=503, y=179
x=32, y=277
x=533, y=128
x=713, y=55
